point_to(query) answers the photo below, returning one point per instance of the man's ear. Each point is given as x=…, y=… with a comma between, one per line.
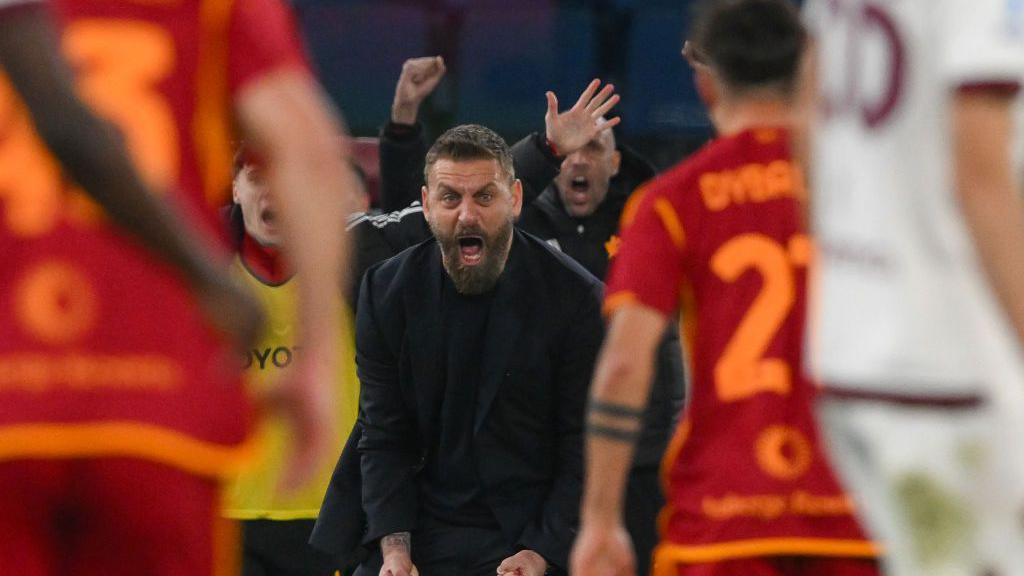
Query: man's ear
x=707, y=86
x=517, y=197
x=423, y=201
x=616, y=162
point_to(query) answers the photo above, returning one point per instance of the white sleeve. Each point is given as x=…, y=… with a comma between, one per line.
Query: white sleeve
x=812, y=15
x=982, y=41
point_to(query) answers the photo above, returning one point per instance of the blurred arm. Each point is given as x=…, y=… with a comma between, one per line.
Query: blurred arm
x=618, y=397
x=989, y=193
x=622, y=379
x=286, y=116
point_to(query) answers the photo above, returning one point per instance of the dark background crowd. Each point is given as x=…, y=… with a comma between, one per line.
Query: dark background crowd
x=503, y=55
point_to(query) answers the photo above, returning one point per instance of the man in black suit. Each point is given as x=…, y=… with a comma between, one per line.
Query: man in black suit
x=577, y=181
x=474, y=350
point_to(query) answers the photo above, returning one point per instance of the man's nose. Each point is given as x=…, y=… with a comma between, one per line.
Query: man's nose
x=578, y=158
x=468, y=213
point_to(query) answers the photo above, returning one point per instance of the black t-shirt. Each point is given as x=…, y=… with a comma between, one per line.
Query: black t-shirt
x=451, y=488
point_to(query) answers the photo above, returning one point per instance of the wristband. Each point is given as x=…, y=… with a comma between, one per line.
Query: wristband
x=551, y=146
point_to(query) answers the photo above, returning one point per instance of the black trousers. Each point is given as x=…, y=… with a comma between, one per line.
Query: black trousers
x=280, y=548
x=644, y=501
x=441, y=549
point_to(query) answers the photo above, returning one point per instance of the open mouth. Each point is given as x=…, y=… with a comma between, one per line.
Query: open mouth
x=268, y=217
x=579, y=188
x=471, y=249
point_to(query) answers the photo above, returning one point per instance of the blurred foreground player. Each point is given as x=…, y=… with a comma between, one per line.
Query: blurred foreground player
x=919, y=305
x=276, y=526
x=119, y=406
x=749, y=491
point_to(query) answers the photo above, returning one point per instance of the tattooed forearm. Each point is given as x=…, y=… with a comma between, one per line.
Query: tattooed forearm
x=613, y=433
x=617, y=422
x=399, y=540
x=616, y=410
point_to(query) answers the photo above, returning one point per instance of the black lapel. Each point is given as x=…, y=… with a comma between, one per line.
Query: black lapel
x=426, y=343
x=503, y=327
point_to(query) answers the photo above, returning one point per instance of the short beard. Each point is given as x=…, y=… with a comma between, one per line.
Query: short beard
x=482, y=278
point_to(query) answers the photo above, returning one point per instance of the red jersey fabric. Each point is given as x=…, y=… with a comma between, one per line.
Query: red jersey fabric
x=102, y=349
x=722, y=237
x=112, y=517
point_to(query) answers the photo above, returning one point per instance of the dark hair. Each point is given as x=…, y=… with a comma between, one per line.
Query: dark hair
x=470, y=142
x=750, y=43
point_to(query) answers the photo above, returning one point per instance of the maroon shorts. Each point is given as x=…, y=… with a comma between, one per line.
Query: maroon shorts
x=783, y=566
x=111, y=517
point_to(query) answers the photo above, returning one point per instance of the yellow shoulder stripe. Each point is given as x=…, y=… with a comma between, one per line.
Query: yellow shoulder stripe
x=663, y=208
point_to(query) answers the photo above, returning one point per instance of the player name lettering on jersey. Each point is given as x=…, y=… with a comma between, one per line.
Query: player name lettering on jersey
x=37, y=372
x=773, y=506
x=752, y=183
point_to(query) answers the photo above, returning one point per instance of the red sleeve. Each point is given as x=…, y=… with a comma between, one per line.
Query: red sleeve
x=263, y=38
x=648, y=267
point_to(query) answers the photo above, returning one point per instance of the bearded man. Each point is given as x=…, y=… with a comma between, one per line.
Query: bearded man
x=474, y=350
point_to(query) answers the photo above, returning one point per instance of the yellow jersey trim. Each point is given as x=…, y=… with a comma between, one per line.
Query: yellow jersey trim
x=615, y=301
x=663, y=208
x=667, y=555
x=132, y=439
x=211, y=128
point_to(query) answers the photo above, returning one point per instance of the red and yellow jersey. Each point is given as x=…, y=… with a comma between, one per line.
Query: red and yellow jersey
x=102, y=349
x=722, y=237
x=165, y=72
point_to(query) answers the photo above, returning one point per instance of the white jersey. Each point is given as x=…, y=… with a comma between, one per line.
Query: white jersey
x=900, y=306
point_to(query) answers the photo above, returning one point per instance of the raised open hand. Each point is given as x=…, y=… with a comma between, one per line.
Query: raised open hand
x=572, y=129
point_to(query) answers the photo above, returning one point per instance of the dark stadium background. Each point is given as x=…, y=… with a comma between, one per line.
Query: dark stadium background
x=502, y=55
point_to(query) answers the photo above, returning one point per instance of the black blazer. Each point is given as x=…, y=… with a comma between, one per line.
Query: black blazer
x=402, y=152
x=542, y=341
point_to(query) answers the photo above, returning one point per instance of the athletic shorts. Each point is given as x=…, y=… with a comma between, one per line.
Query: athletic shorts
x=936, y=487
x=111, y=517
